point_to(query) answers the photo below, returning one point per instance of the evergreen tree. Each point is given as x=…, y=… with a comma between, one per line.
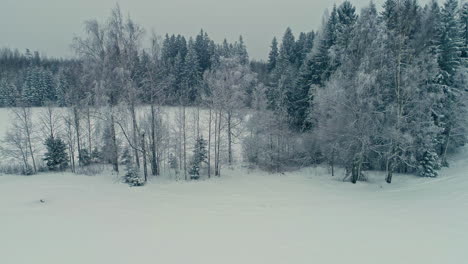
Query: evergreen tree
x=450, y=44
x=241, y=51
x=273, y=55
x=61, y=89
x=429, y=165
x=131, y=176
x=285, y=65
x=449, y=59
x=8, y=94
x=431, y=28
x=330, y=35
x=205, y=50
x=390, y=13
x=47, y=89
x=56, y=156
x=287, y=52
x=464, y=24
x=199, y=156
x=192, y=74
x=30, y=90
x=314, y=72
x=178, y=86
x=304, y=45
x=344, y=30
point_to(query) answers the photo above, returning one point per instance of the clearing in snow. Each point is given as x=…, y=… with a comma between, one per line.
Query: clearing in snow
x=243, y=217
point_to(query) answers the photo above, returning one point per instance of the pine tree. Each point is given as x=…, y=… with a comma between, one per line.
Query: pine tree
x=61, y=89
x=330, y=36
x=8, y=94
x=179, y=89
x=429, y=164
x=431, y=28
x=192, y=74
x=131, y=176
x=344, y=30
x=304, y=45
x=464, y=24
x=241, y=51
x=450, y=44
x=48, y=87
x=30, y=90
x=199, y=157
x=285, y=69
x=273, y=55
x=450, y=47
x=287, y=52
x=205, y=50
x=56, y=155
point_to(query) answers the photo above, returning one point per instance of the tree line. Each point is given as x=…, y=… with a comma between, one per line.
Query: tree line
x=378, y=91
x=370, y=91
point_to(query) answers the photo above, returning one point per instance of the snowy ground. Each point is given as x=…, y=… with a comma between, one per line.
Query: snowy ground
x=243, y=217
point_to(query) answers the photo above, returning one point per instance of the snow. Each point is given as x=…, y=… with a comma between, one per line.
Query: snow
x=169, y=115
x=246, y=216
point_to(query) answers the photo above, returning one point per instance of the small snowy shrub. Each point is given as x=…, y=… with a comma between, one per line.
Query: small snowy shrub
x=199, y=157
x=131, y=176
x=429, y=165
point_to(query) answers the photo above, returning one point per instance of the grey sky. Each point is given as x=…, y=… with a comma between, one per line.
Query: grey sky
x=49, y=25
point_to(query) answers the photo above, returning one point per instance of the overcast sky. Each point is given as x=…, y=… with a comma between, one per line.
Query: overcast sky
x=49, y=25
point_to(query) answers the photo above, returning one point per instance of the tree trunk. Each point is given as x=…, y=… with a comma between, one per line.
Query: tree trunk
x=181, y=140
x=389, y=169
x=28, y=135
x=154, y=163
x=88, y=117
x=444, y=153
x=115, y=154
x=218, y=167
x=198, y=122
x=143, y=146
x=229, y=134
x=76, y=120
x=209, y=145
x=332, y=162
x=185, y=142
x=135, y=134
x=72, y=158
x=216, y=143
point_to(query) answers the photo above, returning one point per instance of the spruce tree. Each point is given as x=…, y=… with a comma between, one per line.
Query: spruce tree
x=429, y=164
x=450, y=44
x=56, y=156
x=464, y=24
x=273, y=55
x=8, y=93
x=199, y=157
x=241, y=51
x=344, y=30
x=449, y=59
x=131, y=176
x=61, y=89
x=287, y=52
x=192, y=74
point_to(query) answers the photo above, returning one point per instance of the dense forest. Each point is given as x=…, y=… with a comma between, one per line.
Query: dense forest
x=380, y=89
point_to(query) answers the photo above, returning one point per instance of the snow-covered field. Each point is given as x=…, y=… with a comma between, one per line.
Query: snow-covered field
x=243, y=217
